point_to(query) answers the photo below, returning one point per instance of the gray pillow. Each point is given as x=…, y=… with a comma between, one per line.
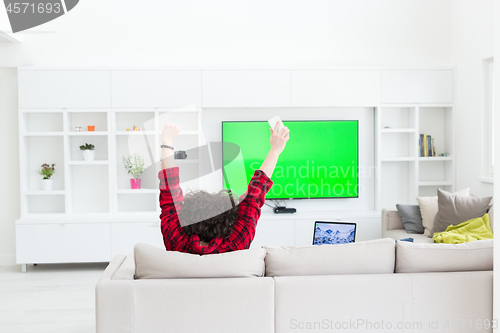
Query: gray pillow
x=456, y=209
x=412, y=220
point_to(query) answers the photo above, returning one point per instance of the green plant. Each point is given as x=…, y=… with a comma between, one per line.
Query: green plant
x=46, y=171
x=134, y=164
x=87, y=146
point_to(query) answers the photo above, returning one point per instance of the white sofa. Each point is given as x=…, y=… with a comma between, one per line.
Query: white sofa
x=393, y=227
x=357, y=287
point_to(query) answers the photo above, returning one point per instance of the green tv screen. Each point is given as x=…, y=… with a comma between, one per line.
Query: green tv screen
x=320, y=159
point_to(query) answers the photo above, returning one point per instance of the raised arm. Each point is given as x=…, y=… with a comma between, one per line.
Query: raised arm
x=254, y=198
x=169, y=131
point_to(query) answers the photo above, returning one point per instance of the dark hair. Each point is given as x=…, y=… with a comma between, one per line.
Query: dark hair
x=209, y=215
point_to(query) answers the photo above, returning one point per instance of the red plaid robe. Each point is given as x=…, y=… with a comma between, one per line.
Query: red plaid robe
x=174, y=237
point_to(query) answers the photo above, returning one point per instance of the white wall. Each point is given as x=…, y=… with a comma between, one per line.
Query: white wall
x=240, y=34
x=473, y=30
x=10, y=207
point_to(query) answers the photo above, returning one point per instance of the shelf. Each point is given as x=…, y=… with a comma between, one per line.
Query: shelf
x=435, y=183
x=398, y=130
x=41, y=192
x=435, y=159
x=43, y=133
x=98, y=162
x=397, y=159
x=136, y=132
x=138, y=191
x=91, y=133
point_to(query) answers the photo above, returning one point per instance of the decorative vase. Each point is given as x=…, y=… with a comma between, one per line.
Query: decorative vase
x=135, y=184
x=47, y=184
x=88, y=155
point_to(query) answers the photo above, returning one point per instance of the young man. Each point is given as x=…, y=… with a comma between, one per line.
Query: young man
x=231, y=230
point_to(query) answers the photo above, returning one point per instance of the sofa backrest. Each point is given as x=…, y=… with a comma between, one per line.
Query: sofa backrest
x=155, y=263
x=423, y=257
x=370, y=257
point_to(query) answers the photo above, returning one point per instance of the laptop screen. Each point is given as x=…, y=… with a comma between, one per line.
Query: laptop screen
x=334, y=232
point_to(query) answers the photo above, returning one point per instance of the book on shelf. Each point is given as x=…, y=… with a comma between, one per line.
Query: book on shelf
x=426, y=146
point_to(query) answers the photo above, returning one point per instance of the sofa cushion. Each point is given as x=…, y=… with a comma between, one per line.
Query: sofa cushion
x=155, y=263
x=412, y=220
x=429, y=209
x=456, y=209
x=422, y=257
x=370, y=257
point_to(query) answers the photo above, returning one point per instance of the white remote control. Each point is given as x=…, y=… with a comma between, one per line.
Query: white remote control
x=272, y=122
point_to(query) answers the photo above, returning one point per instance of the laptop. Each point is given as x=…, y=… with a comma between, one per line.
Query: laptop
x=334, y=232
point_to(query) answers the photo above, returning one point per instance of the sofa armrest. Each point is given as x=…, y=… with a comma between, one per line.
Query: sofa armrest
x=114, y=301
x=391, y=220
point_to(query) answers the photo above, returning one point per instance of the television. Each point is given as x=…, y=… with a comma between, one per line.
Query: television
x=320, y=159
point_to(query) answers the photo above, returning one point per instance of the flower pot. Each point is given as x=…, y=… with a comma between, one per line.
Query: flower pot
x=88, y=155
x=47, y=184
x=135, y=183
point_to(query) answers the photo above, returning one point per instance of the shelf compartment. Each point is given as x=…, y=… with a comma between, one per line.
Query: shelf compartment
x=398, y=117
x=437, y=122
x=437, y=171
x=133, y=144
x=124, y=120
x=139, y=202
x=40, y=150
x=398, y=145
x=42, y=122
x=84, y=119
x=45, y=204
x=397, y=178
x=99, y=141
x=431, y=190
x=89, y=189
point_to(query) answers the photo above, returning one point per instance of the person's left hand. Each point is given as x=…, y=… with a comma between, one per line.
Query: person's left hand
x=170, y=130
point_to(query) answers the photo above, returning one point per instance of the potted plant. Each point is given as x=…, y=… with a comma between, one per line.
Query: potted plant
x=134, y=164
x=46, y=171
x=88, y=151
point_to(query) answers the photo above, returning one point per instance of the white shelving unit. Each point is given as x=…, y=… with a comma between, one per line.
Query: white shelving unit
x=92, y=214
x=102, y=183
x=398, y=151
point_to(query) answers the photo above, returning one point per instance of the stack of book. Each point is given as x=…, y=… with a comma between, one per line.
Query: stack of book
x=426, y=146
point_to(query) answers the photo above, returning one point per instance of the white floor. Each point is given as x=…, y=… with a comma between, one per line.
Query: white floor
x=49, y=298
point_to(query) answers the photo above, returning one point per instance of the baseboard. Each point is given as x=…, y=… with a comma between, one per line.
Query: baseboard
x=7, y=260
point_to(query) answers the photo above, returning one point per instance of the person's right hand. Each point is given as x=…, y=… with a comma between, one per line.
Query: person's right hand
x=279, y=138
x=170, y=130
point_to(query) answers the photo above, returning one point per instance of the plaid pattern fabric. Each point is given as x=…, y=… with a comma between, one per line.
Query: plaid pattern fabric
x=174, y=237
